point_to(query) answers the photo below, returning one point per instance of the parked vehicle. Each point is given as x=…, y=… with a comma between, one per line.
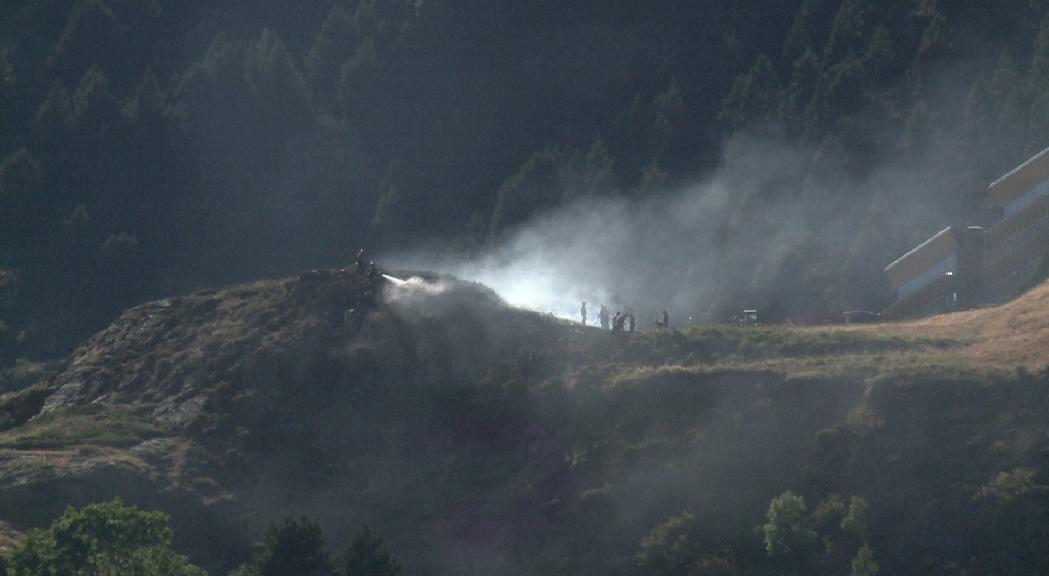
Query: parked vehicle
x=860, y=316
x=748, y=318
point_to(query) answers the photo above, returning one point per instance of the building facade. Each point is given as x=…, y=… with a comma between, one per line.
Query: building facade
x=960, y=268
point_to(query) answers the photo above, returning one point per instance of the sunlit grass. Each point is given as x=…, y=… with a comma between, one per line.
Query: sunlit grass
x=93, y=424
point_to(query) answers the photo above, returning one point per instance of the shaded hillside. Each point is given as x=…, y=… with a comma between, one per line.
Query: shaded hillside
x=481, y=439
x=154, y=148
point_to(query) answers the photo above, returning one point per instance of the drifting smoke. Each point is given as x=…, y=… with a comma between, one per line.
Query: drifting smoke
x=773, y=227
x=605, y=251
x=402, y=289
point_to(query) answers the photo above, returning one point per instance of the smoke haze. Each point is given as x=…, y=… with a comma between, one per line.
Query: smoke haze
x=770, y=227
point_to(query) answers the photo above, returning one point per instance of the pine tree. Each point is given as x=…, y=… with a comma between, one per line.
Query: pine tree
x=1007, y=105
x=1038, y=77
x=92, y=104
x=864, y=564
x=291, y=547
x=847, y=85
x=800, y=36
x=537, y=185
x=357, y=86
x=368, y=555
x=400, y=205
x=53, y=116
x=669, y=118
x=754, y=98
x=937, y=42
x=148, y=106
x=879, y=54
x=23, y=208
x=8, y=101
x=798, y=107
x=334, y=44
x=847, y=31
x=598, y=169
x=92, y=33
x=276, y=83
x=1038, y=90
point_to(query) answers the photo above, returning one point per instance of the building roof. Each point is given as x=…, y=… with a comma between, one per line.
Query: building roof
x=1021, y=179
x=1005, y=229
x=922, y=257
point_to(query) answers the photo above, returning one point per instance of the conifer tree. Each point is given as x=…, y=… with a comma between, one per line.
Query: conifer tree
x=334, y=44
x=291, y=547
x=369, y=555
x=754, y=96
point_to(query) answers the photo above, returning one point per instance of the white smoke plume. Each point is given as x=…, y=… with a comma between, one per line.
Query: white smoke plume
x=772, y=226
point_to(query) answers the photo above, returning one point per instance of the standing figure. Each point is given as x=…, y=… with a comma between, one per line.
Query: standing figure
x=666, y=320
x=582, y=312
x=617, y=325
x=602, y=315
x=360, y=261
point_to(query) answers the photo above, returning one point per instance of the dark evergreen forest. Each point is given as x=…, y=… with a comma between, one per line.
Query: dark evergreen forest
x=154, y=147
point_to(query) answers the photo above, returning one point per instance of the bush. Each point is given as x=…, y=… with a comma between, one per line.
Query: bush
x=788, y=532
x=368, y=555
x=864, y=564
x=105, y=539
x=291, y=547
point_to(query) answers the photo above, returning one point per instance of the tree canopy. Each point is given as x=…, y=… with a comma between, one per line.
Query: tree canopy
x=104, y=539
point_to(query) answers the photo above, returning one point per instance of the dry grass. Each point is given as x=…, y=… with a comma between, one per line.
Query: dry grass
x=990, y=341
x=83, y=425
x=72, y=456
x=1001, y=337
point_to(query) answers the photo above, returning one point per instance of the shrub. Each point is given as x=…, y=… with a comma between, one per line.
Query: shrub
x=788, y=531
x=105, y=539
x=291, y=547
x=368, y=555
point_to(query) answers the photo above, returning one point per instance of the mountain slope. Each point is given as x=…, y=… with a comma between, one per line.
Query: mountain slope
x=482, y=439
x=1006, y=336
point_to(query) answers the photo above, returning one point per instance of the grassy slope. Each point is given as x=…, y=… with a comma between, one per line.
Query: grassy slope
x=533, y=443
x=1006, y=336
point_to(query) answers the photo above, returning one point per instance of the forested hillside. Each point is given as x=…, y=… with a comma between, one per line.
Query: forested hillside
x=151, y=147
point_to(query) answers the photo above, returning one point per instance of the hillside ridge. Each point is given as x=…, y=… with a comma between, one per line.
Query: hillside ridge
x=484, y=426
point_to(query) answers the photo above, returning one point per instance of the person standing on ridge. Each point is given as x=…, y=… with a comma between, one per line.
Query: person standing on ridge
x=361, y=261
x=666, y=320
x=582, y=312
x=602, y=315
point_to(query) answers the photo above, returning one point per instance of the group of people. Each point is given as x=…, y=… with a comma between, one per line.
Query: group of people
x=620, y=322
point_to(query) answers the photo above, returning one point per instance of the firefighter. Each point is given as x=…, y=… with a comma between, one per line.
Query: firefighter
x=582, y=312
x=602, y=315
x=361, y=261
